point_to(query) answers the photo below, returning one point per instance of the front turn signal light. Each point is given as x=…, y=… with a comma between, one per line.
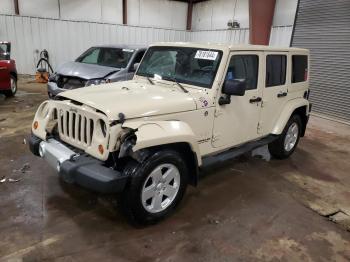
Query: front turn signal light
x=100, y=149
x=36, y=125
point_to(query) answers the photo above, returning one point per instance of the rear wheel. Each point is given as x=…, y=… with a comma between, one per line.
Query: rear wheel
x=13, y=87
x=286, y=143
x=156, y=187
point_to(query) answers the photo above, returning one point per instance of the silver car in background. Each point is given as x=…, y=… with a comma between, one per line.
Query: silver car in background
x=97, y=65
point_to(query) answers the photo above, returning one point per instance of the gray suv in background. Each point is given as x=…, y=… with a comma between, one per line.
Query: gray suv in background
x=97, y=65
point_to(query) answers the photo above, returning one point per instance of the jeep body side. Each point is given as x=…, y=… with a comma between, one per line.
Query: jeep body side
x=187, y=104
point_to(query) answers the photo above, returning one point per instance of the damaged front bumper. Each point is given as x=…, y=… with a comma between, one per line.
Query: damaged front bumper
x=82, y=170
x=53, y=90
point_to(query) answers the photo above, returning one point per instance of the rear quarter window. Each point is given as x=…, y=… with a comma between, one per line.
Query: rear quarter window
x=299, y=68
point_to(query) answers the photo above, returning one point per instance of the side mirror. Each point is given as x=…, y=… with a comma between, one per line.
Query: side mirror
x=234, y=87
x=135, y=66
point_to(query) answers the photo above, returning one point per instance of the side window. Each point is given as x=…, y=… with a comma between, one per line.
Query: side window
x=244, y=67
x=276, y=70
x=92, y=57
x=299, y=68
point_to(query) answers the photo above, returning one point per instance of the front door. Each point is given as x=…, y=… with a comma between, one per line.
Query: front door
x=237, y=122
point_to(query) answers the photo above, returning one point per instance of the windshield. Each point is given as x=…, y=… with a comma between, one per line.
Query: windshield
x=194, y=66
x=106, y=56
x=3, y=51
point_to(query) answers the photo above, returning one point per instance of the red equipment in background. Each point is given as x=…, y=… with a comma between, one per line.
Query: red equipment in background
x=8, y=72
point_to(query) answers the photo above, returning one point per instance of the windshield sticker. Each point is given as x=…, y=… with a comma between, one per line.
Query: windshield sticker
x=128, y=50
x=207, y=55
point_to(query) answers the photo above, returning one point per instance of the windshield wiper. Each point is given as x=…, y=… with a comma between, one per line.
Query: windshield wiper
x=181, y=86
x=149, y=80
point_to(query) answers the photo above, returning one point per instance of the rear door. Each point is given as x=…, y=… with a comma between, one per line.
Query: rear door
x=237, y=122
x=275, y=90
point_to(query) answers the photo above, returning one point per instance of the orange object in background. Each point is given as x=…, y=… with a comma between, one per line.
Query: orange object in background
x=43, y=68
x=41, y=76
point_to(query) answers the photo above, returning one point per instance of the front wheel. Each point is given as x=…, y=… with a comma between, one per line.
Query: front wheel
x=286, y=143
x=156, y=187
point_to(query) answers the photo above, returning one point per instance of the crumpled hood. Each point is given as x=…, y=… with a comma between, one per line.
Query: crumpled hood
x=85, y=71
x=134, y=99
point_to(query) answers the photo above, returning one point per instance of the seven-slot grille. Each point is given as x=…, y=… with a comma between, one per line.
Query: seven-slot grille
x=76, y=127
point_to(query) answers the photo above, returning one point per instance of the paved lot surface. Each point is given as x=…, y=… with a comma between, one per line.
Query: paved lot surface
x=248, y=209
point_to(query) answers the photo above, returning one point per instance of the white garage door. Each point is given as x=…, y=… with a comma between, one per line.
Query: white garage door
x=324, y=27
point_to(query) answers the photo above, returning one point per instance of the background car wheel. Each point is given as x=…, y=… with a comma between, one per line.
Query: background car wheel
x=156, y=187
x=13, y=89
x=286, y=143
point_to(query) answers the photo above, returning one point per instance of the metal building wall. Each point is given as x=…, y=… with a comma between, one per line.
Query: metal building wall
x=237, y=36
x=324, y=28
x=65, y=40
x=280, y=35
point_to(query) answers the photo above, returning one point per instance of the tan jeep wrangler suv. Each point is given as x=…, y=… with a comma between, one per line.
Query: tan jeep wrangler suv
x=187, y=105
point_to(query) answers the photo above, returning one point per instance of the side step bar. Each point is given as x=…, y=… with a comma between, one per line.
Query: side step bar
x=236, y=151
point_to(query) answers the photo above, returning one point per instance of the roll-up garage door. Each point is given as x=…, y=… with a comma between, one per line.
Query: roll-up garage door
x=323, y=26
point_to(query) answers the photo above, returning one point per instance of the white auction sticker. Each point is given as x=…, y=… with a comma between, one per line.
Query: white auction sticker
x=128, y=50
x=208, y=55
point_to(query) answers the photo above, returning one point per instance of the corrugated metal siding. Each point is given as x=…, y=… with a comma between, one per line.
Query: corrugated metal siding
x=233, y=36
x=324, y=28
x=65, y=40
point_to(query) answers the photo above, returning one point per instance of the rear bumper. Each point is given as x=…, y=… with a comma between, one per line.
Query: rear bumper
x=82, y=170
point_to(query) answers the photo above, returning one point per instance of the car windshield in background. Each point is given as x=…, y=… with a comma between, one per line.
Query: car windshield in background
x=106, y=56
x=194, y=66
x=3, y=49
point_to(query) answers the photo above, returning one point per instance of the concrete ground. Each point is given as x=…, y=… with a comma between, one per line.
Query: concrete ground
x=248, y=209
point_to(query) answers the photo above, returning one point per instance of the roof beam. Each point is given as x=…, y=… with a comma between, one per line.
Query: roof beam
x=16, y=7
x=189, y=15
x=125, y=12
x=260, y=20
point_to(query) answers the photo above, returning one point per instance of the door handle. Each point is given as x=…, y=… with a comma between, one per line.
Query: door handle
x=255, y=100
x=282, y=94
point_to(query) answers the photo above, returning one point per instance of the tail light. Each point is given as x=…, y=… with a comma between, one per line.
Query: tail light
x=305, y=75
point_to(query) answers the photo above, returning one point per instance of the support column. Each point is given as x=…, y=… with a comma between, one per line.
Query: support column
x=16, y=7
x=189, y=15
x=125, y=12
x=260, y=21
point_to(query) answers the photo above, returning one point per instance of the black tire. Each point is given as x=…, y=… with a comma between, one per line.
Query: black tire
x=277, y=148
x=12, y=92
x=130, y=202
